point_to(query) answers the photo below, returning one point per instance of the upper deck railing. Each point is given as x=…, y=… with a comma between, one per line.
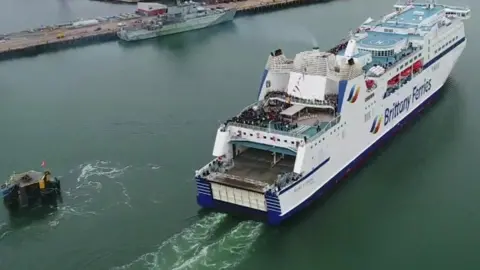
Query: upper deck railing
x=282, y=96
x=330, y=124
x=329, y=103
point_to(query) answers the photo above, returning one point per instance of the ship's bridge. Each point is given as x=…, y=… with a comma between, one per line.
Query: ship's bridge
x=382, y=44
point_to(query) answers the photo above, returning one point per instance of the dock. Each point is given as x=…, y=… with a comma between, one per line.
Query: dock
x=51, y=38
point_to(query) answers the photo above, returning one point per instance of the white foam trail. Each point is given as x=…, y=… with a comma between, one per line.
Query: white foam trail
x=179, y=245
x=80, y=197
x=154, y=166
x=99, y=168
x=125, y=194
x=4, y=230
x=190, y=248
x=225, y=253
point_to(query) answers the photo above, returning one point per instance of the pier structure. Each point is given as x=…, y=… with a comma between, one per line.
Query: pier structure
x=48, y=38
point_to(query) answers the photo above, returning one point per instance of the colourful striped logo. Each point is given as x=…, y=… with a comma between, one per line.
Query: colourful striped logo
x=353, y=96
x=376, y=124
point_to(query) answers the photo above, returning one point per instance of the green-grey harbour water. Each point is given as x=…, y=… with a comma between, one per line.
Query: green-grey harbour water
x=126, y=126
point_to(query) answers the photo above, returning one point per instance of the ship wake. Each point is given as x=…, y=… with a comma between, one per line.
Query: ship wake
x=199, y=246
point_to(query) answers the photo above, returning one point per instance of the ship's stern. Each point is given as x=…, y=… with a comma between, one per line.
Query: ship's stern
x=230, y=199
x=243, y=177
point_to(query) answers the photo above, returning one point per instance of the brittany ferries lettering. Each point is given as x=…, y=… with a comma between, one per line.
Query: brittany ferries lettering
x=418, y=92
x=403, y=106
x=311, y=124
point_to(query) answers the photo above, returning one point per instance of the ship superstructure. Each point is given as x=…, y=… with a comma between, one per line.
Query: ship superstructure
x=162, y=20
x=320, y=114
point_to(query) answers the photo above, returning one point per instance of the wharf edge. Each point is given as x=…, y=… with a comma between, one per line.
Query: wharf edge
x=24, y=44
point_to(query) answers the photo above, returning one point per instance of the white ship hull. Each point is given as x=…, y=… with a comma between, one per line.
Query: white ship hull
x=345, y=146
x=174, y=28
x=335, y=165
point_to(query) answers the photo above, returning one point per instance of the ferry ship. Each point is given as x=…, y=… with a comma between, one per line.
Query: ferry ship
x=320, y=114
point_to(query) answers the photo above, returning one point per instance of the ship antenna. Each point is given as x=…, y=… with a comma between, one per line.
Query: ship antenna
x=350, y=33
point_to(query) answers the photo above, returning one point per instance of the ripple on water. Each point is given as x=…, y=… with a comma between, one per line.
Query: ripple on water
x=193, y=248
x=77, y=200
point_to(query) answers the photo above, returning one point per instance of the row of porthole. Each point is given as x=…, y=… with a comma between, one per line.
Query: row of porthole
x=446, y=44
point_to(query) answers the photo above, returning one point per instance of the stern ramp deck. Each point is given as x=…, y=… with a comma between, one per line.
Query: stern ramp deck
x=245, y=183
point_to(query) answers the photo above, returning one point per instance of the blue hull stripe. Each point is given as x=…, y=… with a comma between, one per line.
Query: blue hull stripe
x=274, y=216
x=306, y=176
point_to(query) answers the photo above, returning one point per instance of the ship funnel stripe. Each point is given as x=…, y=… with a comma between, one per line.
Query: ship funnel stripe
x=275, y=205
x=350, y=96
x=274, y=210
x=203, y=187
x=374, y=124
x=353, y=95
x=273, y=201
x=342, y=85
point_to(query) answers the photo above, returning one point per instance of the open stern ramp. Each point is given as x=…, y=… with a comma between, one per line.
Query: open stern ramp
x=246, y=183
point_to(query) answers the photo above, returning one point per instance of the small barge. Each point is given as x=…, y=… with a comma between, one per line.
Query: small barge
x=30, y=188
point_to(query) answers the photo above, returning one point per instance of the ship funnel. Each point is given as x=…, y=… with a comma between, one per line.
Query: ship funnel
x=351, y=49
x=316, y=48
x=278, y=52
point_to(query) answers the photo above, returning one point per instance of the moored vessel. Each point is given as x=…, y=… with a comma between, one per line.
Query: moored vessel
x=162, y=20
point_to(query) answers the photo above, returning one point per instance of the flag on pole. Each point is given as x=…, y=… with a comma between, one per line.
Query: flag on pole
x=43, y=164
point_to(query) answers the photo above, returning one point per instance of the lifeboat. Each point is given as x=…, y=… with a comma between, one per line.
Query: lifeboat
x=407, y=72
x=417, y=65
x=370, y=84
x=393, y=81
